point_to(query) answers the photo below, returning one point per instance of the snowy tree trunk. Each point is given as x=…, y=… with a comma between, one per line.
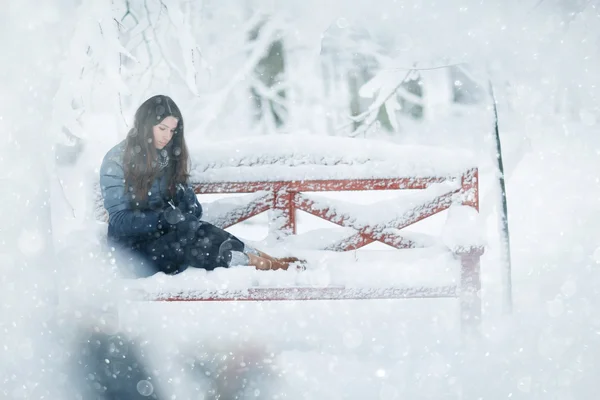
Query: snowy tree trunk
x=503, y=213
x=328, y=77
x=438, y=93
x=269, y=101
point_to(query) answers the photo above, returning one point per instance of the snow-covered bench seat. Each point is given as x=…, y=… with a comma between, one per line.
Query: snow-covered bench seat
x=283, y=174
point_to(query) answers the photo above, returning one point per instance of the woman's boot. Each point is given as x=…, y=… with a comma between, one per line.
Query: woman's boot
x=266, y=262
x=284, y=262
x=259, y=262
x=294, y=261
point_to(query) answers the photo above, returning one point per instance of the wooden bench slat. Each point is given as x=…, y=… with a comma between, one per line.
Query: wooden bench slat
x=332, y=185
x=305, y=293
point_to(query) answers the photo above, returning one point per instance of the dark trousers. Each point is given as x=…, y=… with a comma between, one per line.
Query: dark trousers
x=206, y=246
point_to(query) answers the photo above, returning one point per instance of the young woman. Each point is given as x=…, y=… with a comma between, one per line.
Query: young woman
x=154, y=212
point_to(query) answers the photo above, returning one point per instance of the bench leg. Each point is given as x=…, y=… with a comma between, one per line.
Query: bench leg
x=470, y=292
x=282, y=220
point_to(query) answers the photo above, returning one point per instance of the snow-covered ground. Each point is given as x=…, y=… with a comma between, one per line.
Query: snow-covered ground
x=391, y=349
x=80, y=68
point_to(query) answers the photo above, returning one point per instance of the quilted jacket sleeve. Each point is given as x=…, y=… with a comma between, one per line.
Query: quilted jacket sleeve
x=123, y=222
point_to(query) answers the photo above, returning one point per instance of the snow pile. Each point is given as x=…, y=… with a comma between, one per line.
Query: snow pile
x=283, y=157
x=383, y=214
x=223, y=212
x=417, y=268
x=463, y=229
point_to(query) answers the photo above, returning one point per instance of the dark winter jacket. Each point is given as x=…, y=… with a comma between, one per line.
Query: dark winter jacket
x=126, y=224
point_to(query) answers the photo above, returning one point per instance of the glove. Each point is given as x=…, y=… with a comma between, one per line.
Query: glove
x=173, y=215
x=169, y=214
x=172, y=219
x=186, y=228
x=169, y=217
x=186, y=200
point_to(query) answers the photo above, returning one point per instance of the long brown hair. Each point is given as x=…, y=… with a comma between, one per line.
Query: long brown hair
x=140, y=159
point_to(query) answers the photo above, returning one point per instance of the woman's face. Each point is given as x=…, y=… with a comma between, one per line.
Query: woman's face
x=163, y=131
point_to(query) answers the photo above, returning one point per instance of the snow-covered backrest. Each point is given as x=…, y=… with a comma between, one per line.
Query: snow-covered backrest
x=297, y=158
x=216, y=166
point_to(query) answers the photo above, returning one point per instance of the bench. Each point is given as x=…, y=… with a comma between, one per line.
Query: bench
x=281, y=176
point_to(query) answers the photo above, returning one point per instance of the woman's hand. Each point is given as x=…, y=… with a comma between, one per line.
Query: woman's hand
x=169, y=217
x=186, y=200
x=173, y=219
x=173, y=215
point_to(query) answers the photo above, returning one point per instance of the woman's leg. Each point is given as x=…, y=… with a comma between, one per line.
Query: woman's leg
x=215, y=247
x=212, y=248
x=166, y=253
x=258, y=259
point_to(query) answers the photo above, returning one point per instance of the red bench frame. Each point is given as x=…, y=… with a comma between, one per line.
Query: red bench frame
x=286, y=197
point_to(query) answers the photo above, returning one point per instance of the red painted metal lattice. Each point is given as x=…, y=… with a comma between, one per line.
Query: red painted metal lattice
x=285, y=198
